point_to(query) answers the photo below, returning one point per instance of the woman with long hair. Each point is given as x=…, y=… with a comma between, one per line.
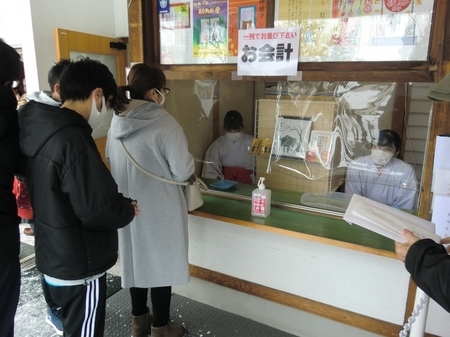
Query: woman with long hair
x=154, y=248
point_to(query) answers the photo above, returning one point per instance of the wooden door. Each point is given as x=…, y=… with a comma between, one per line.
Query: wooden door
x=110, y=51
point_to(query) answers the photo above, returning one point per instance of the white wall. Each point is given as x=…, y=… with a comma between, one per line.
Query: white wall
x=14, y=18
x=363, y=283
x=30, y=24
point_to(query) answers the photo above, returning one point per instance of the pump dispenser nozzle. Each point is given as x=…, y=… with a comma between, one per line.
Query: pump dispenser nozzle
x=261, y=183
x=261, y=200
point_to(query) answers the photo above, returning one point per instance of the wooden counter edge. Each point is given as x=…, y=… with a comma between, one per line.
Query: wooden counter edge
x=297, y=302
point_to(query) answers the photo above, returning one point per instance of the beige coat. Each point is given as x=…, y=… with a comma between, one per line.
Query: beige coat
x=153, y=249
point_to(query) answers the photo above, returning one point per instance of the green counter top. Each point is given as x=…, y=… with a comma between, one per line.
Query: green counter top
x=323, y=228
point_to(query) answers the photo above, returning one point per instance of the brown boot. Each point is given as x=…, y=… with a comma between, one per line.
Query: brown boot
x=141, y=325
x=169, y=330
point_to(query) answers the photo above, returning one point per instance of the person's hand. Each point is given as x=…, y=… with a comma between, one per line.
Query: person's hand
x=137, y=210
x=446, y=241
x=402, y=248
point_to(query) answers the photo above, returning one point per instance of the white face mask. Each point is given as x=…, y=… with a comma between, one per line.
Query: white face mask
x=381, y=158
x=163, y=97
x=234, y=136
x=96, y=118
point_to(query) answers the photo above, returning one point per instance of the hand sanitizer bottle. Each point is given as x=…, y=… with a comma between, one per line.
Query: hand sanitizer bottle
x=261, y=200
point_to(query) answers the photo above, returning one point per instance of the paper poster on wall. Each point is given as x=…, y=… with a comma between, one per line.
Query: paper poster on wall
x=210, y=36
x=441, y=215
x=378, y=30
x=268, y=52
x=319, y=146
x=244, y=14
x=176, y=34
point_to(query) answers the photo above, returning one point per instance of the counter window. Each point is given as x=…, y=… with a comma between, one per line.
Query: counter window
x=316, y=143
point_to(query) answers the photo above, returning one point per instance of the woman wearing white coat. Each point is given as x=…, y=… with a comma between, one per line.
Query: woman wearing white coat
x=154, y=247
x=382, y=176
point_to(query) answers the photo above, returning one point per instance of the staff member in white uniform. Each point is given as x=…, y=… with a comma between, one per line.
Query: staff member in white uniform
x=228, y=156
x=382, y=176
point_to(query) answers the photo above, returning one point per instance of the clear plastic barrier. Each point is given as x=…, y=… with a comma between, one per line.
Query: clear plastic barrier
x=342, y=136
x=312, y=141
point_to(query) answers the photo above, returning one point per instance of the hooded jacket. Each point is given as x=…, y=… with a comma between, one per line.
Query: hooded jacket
x=9, y=165
x=76, y=202
x=42, y=97
x=154, y=248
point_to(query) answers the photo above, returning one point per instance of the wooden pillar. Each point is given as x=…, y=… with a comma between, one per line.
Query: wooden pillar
x=440, y=117
x=439, y=121
x=135, y=31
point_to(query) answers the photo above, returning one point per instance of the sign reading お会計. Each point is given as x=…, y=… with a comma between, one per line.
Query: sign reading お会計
x=268, y=51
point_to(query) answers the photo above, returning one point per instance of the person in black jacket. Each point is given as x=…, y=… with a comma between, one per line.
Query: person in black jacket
x=76, y=202
x=427, y=261
x=53, y=314
x=429, y=266
x=10, y=65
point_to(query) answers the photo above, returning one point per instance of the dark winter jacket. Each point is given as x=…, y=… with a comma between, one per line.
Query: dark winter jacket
x=429, y=265
x=75, y=200
x=9, y=165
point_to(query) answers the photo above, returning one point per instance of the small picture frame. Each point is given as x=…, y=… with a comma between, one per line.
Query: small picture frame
x=291, y=137
x=247, y=17
x=319, y=148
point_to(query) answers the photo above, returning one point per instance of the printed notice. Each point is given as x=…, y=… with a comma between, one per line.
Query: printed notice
x=268, y=52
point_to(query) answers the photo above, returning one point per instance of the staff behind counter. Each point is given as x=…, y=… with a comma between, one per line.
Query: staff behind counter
x=382, y=176
x=228, y=156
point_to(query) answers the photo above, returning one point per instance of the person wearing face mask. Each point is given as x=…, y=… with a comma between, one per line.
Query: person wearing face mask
x=382, y=176
x=154, y=248
x=228, y=156
x=75, y=199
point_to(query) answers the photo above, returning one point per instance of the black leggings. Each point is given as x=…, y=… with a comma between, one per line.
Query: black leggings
x=160, y=297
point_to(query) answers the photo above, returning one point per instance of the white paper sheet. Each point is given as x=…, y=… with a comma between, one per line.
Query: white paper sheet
x=441, y=215
x=441, y=161
x=386, y=220
x=441, y=179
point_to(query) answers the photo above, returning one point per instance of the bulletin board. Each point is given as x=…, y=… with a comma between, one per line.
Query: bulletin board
x=206, y=32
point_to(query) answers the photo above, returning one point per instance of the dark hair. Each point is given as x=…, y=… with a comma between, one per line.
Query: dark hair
x=142, y=78
x=81, y=77
x=55, y=72
x=10, y=63
x=388, y=137
x=233, y=120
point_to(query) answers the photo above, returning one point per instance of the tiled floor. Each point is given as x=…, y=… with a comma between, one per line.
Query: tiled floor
x=201, y=320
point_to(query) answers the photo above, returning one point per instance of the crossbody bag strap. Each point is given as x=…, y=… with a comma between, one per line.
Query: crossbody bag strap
x=139, y=167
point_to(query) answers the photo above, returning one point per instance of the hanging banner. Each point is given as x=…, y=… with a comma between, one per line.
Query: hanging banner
x=268, y=52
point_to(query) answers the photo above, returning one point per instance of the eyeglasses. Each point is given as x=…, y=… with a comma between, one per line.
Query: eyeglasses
x=165, y=91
